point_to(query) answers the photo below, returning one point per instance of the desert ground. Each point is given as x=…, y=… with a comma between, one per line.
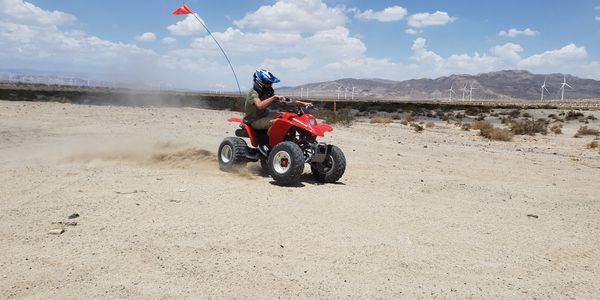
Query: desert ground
x=443, y=213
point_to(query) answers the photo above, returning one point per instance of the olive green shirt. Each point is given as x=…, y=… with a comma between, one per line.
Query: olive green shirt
x=252, y=112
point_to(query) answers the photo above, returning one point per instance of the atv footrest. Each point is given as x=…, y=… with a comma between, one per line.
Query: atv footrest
x=241, y=133
x=320, y=153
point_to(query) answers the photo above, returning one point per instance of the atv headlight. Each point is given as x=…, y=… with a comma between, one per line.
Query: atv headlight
x=312, y=122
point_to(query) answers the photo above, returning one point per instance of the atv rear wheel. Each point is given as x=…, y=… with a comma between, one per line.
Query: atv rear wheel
x=286, y=163
x=232, y=154
x=332, y=168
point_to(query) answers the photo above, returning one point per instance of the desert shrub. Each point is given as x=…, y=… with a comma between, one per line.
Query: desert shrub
x=342, y=116
x=466, y=127
x=556, y=128
x=592, y=117
x=593, y=145
x=584, y=130
x=529, y=127
x=512, y=113
x=396, y=116
x=411, y=118
x=526, y=115
x=429, y=125
x=417, y=127
x=573, y=115
x=494, y=114
x=497, y=134
x=472, y=111
x=459, y=116
x=404, y=122
x=479, y=125
x=381, y=120
x=481, y=117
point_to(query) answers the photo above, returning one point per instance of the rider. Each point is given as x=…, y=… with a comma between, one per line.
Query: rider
x=260, y=97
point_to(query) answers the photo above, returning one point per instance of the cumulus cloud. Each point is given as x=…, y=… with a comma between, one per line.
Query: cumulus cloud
x=389, y=14
x=146, y=37
x=568, y=53
x=422, y=20
x=186, y=27
x=509, y=51
x=294, y=16
x=19, y=11
x=513, y=32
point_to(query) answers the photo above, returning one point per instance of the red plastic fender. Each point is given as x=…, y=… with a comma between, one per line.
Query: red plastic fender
x=249, y=130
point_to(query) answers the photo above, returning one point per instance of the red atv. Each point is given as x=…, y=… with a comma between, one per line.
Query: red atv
x=290, y=143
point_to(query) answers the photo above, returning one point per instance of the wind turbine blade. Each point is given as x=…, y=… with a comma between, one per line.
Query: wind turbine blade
x=568, y=85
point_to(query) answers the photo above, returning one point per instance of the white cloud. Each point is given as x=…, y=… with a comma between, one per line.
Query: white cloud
x=508, y=51
x=513, y=32
x=421, y=54
x=411, y=31
x=568, y=53
x=422, y=20
x=146, y=37
x=25, y=13
x=389, y=14
x=169, y=41
x=294, y=16
x=189, y=26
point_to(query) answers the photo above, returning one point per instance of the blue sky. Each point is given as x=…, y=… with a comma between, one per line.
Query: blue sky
x=301, y=41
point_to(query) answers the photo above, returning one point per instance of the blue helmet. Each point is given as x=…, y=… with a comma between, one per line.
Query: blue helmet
x=265, y=77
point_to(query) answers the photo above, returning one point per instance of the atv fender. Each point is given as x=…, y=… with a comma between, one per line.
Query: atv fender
x=249, y=130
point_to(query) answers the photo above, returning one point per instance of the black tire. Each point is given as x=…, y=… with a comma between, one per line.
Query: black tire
x=332, y=169
x=286, y=163
x=264, y=166
x=232, y=154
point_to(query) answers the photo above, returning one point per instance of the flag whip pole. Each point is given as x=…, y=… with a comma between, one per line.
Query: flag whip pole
x=223, y=51
x=186, y=10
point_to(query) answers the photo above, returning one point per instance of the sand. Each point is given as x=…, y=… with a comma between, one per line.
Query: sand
x=438, y=214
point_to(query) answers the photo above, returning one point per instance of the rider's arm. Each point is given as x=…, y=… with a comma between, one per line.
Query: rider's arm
x=262, y=104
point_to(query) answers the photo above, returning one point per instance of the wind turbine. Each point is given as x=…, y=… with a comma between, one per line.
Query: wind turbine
x=451, y=91
x=562, y=88
x=544, y=89
x=464, y=90
x=471, y=92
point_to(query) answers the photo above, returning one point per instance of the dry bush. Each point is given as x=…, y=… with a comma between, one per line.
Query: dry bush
x=513, y=113
x=481, y=125
x=494, y=114
x=526, y=115
x=529, y=127
x=342, y=116
x=381, y=120
x=411, y=118
x=593, y=145
x=592, y=117
x=418, y=128
x=573, y=115
x=556, y=128
x=466, y=127
x=488, y=130
x=429, y=125
x=584, y=130
x=497, y=134
x=404, y=122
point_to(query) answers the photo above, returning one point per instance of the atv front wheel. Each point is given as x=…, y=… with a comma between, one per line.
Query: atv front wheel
x=332, y=168
x=286, y=163
x=232, y=154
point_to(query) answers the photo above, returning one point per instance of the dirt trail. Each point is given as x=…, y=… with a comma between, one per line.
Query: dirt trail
x=443, y=213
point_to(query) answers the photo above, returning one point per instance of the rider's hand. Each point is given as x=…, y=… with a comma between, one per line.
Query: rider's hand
x=309, y=105
x=280, y=98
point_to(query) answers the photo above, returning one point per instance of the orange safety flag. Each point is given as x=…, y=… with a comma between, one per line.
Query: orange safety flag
x=184, y=10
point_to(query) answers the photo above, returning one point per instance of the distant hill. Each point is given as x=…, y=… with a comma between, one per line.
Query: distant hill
x=509, y=84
